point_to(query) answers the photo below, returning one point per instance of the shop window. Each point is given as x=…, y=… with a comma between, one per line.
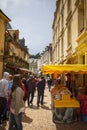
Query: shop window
x=83, y=59
x=84, y=76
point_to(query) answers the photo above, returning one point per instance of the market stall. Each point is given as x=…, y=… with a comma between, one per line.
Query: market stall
x=64, y=104
x=64, y=68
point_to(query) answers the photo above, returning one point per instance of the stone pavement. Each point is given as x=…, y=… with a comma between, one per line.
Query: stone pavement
x=41, y=118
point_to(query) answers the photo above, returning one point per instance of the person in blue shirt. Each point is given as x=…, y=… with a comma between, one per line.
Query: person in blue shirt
x=10, y=82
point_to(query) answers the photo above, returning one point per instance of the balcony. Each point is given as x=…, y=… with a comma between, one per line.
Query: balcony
x=15, y=61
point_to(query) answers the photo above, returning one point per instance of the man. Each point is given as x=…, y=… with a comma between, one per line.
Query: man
x=30, y=85
x=40, y=91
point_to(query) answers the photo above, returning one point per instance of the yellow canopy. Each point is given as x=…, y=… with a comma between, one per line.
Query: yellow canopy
x=64, y=68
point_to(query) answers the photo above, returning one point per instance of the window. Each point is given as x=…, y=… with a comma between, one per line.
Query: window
x=58, y=27
x=81, y=17
x=59, y=49
x=14, y=36
x=84, y=76
x=62, y=46
x=62, y=21
x=69, y=34
x=69, y=6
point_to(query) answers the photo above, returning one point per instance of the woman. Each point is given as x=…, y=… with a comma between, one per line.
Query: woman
x=3, y=97
x=17, y=104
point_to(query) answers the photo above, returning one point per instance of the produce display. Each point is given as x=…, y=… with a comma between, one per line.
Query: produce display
x=61, y=94
x=64, y=103
x=59, y=90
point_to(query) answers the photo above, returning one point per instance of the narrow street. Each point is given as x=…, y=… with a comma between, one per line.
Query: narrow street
x=41, y=118
x=37, y=118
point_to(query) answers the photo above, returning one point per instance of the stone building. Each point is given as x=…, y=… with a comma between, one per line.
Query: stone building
x=33, y=65
x=70, y=33
x=14, y=55
x=46, y=56
x=3, y=22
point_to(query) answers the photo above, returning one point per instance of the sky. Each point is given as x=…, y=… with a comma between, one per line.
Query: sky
x=33, y=19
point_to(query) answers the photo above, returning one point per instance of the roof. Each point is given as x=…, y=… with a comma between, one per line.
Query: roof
x=2, y=15
x=9, y=26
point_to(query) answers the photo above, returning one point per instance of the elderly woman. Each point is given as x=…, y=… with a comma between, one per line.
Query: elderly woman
x=3, y=96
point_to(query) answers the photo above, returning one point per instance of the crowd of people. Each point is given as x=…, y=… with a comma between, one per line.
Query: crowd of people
x=15, y=90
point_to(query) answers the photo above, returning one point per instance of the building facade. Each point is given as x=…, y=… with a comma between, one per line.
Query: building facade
x=3, y=22
x=70, y=32
x=46, y=56
x=14, y=54
x=33, y=65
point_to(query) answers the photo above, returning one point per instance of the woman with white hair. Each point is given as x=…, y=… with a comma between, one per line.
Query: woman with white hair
x=3, y=96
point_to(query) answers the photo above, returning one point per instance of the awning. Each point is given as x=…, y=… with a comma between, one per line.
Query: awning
x=20, y=69
x=24, y=70
x=65, y=68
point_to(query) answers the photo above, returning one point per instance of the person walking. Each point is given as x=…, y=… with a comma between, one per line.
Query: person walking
x=3, y=96
x=71, y=83
x=49, y=83
x=30, y=85
x=40, y=91
x=17, y=106
x=10, y=83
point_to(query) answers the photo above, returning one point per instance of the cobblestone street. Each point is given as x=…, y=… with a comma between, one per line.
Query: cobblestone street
x=37, y=118
x=41, y=118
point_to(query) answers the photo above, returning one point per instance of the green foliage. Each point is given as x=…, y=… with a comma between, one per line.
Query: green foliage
x=35, y=56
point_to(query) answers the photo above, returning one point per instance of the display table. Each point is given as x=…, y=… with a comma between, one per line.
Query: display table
x=66, y=102
x=65, y=109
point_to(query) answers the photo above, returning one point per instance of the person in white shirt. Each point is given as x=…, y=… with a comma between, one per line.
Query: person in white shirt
x=3, y=96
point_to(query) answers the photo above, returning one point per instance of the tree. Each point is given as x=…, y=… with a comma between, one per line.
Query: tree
x=35, y=56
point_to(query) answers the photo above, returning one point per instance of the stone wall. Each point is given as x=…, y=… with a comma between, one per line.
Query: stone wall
x=2, y=37
x=3, y=21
